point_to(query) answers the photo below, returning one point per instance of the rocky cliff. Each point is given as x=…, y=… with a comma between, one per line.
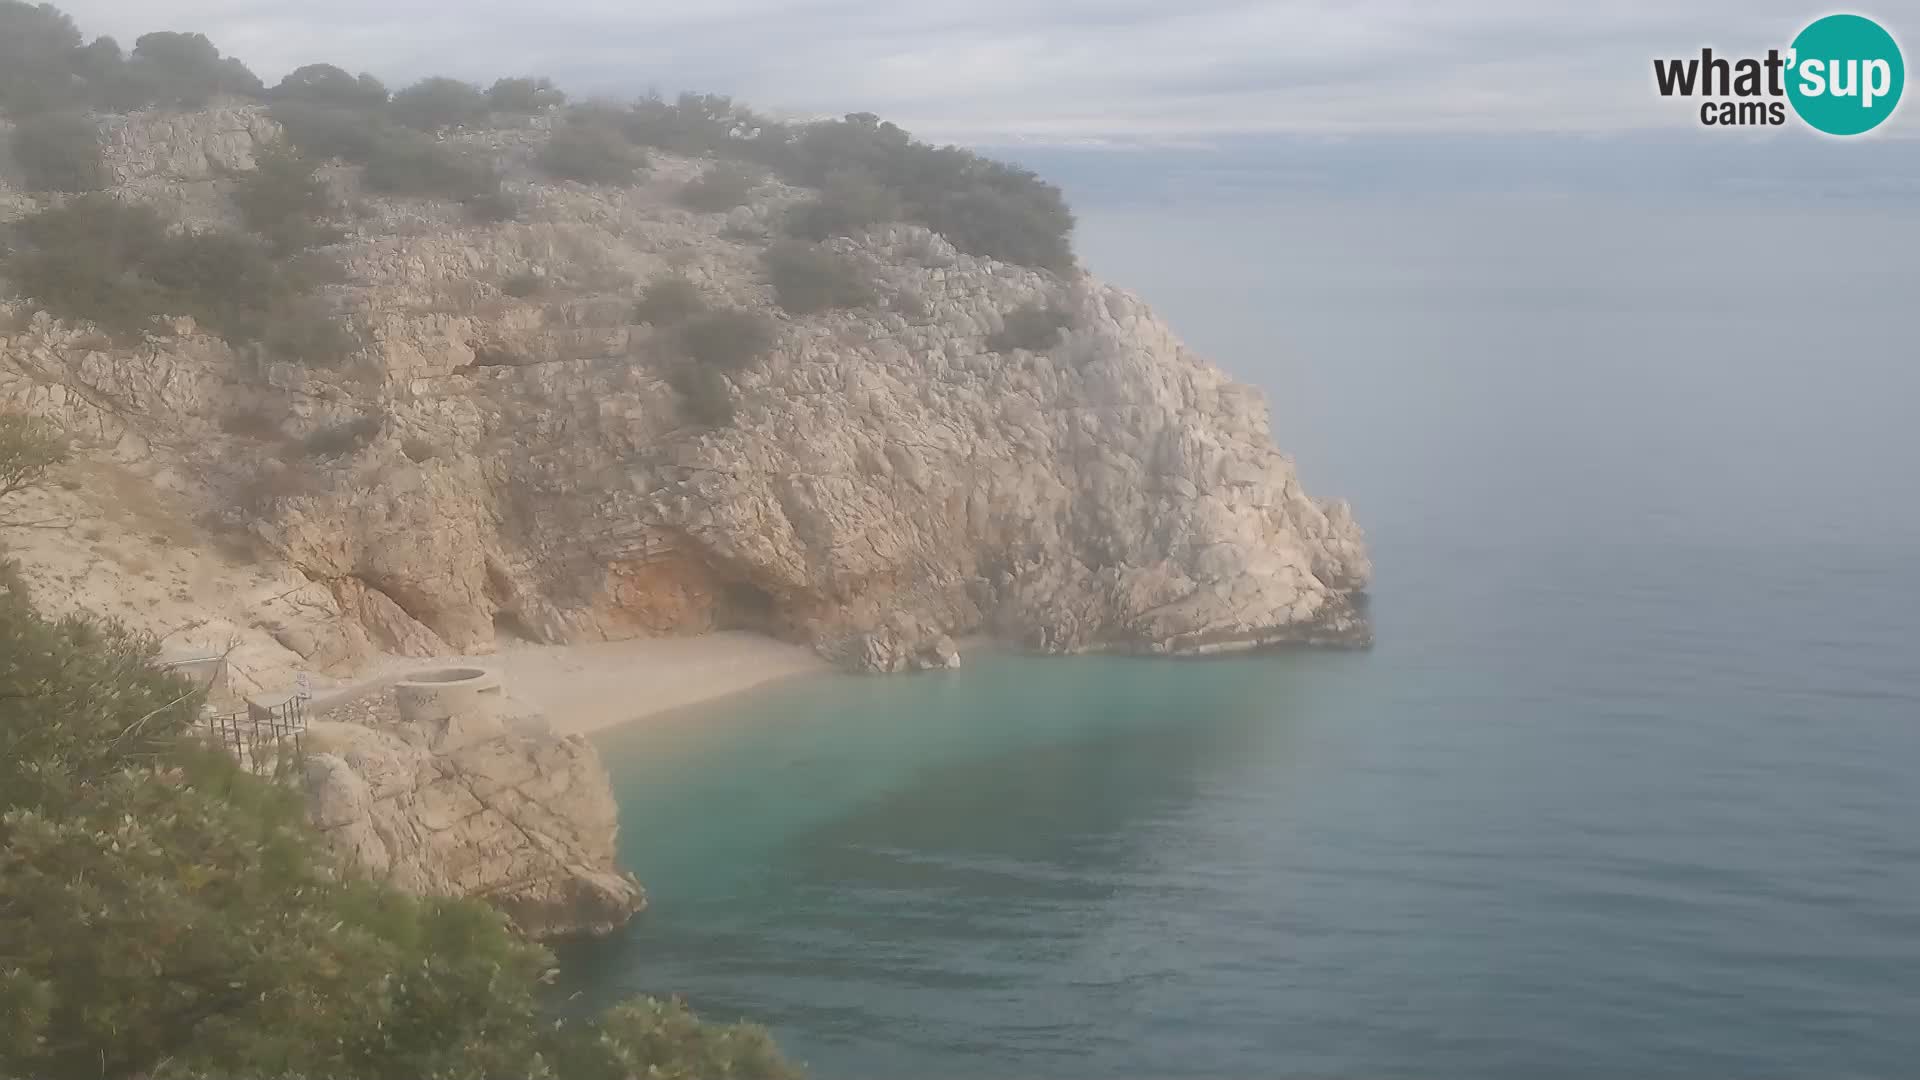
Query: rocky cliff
x=522, y=464
x=495, y=807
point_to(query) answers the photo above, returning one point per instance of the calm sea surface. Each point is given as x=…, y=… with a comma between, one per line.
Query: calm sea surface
x=1630, y=786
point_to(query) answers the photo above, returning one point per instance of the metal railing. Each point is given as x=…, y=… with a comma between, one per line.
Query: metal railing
x=263, y=736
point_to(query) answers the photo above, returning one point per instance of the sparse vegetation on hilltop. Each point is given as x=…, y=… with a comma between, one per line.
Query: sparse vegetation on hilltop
x=324, y=84
x=45, y=64
x=869, y=171
x=529, y=94
x=438, y=102
x=984, y=207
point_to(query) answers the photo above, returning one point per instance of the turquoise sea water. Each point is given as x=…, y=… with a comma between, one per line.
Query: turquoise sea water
x=1626, y=788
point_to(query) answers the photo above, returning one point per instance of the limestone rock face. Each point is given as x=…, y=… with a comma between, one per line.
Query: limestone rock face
x=890, y=480
x=177, y=145
x=509, y=813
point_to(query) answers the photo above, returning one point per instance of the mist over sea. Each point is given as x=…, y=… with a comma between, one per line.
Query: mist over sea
x=1627, y=787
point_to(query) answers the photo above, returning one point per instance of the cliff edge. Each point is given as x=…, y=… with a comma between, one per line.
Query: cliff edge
x=510, y=450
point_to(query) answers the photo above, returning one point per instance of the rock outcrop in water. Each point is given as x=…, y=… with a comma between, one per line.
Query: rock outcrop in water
x=474, y=804
x=889, y=482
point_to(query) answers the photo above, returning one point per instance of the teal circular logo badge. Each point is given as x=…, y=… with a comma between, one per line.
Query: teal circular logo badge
x=1845, y=74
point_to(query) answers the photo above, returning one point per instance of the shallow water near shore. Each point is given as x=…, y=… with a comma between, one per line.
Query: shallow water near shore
x=1298, y=864
x=1625, y=789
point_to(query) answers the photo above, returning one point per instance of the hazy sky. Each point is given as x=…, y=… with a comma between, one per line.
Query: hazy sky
x=980, y=70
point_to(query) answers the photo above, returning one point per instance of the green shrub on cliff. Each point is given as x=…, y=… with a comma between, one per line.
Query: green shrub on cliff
x=398, y=161
x=1034, y=327
x=808, y=278
x=285, y=202
x=422, y=168
x=164, y=914
x=668, y=299
x=591, y=153
x=849, y=201
x=58, y=151
x=722, y=187
x=984, y=207
x=29, y=447
x=868, y=170
x=694, y=124
x=117, y=265
x=84, y=261
x=323, y=130
x=871, y=171
x=705, y=395
x=731, y=338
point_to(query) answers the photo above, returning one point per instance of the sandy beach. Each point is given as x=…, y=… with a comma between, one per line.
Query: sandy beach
x=585, y=688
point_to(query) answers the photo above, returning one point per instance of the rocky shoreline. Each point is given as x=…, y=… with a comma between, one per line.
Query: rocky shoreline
x=465, y=801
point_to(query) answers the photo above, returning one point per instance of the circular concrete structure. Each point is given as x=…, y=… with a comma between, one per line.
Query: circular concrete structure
x=441, y=695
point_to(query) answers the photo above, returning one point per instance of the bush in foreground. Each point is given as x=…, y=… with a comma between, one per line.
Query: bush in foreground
x=165, y=915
